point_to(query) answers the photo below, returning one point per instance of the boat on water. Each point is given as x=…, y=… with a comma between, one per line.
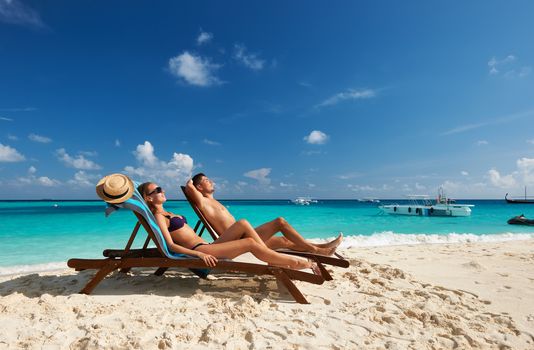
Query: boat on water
x=519, y=200
x=369, y=200
x=521, y=220
x=303, y=201
x=422, y=205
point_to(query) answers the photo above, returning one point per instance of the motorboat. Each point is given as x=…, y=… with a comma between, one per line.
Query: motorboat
x=303, y=201
x=422, y=205
x=521, y=220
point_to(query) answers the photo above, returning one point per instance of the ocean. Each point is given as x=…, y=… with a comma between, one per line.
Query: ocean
x=43, y=235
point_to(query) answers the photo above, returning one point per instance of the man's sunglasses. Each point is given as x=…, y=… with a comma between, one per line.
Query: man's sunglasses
x=156, y=190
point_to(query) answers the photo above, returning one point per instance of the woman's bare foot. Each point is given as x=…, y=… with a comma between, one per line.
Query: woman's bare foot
x=333, y=243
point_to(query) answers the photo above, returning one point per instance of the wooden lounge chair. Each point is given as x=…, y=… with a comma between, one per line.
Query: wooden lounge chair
x=162, y=258
x=337, y=260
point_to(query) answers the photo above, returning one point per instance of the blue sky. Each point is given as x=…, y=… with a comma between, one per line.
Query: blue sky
x=270, y=99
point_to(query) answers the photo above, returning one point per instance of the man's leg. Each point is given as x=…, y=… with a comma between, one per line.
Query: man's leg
x=291, y=240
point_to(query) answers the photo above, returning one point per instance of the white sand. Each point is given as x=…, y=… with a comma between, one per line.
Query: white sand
x=423, y=297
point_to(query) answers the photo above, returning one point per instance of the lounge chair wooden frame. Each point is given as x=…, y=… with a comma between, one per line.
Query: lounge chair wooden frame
x=127, y=258
x=203, y=224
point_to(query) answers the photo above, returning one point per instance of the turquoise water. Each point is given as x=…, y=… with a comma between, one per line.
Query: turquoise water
x=37, y=233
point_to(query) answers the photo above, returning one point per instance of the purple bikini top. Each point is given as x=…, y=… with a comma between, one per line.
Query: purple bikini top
x=176, y=222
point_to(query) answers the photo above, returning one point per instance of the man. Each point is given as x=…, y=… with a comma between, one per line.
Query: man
x=200, y=189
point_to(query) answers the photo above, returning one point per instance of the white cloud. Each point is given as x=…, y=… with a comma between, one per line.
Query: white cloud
x=79, y=162
x=18, y=109
x=283, y=184
x=250, y=60
x=313, y=152
x=194, y=70
x=482, y=142
x=464, y=173
x=451, y=187
x=88, y=153
x=9, y=154
x=46, y=181
x=350, y=94
x=260, y=175
x=12, y=137
x=211, y=143
x=172, y=173
x=6, y=118
x=523, y=175
x=15, y=12
x=204, y=38
x=419, y=187
x=32, y=179
x=316, y=137
x=524, y=71
x=496, y=121
x=81, y=178
x=496, y=179
x=117, y=143
x=39, y=138
x=509, y=67
x=531, y=141
x=349, y=176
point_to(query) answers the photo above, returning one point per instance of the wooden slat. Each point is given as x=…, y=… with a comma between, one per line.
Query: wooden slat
x=288, y=283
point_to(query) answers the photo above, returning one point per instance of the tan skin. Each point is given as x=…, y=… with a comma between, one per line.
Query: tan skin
x=239, y=240
x=221, y=219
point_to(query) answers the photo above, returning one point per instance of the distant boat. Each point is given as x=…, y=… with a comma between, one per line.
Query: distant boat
x=520, y=200
x=303, y=201
x=368, y=200
x=422, y=205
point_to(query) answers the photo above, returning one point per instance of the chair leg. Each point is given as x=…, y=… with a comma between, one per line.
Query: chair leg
x=324, y=272
x=288, y=283
x=161, y=271
x=99, y=276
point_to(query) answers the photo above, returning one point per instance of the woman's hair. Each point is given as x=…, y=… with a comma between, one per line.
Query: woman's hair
x=142, y=190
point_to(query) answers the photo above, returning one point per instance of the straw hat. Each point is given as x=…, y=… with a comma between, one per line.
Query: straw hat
x=115, y=188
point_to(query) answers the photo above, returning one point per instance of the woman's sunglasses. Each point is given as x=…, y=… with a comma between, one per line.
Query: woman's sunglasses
x=156, y=190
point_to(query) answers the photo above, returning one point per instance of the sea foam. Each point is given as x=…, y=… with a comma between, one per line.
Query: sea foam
x=25, y=269
x=391, y=238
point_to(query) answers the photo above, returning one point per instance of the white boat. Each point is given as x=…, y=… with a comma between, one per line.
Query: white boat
x=303, y=201
x=369, y=200
x=422, y=205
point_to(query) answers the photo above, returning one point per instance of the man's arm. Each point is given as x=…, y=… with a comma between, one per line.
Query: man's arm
x=193, y=193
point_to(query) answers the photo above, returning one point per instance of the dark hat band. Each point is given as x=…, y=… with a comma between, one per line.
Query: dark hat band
x=117, y=196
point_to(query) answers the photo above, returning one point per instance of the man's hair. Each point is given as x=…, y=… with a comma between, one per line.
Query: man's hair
x=197, y=178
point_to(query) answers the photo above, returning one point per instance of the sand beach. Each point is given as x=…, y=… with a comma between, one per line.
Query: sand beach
x=465, y=295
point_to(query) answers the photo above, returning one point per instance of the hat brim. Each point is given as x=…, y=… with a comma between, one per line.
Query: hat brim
x=102, y=194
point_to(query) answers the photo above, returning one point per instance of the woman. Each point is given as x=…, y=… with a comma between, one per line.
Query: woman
x=238, y=239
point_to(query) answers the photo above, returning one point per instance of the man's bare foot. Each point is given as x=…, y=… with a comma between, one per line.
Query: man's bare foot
x=333, y=243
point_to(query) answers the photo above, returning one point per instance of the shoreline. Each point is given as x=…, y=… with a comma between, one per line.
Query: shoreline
x=383, y=239
x=469, y=295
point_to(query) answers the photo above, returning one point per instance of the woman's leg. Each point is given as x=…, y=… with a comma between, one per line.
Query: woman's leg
x=235, y=248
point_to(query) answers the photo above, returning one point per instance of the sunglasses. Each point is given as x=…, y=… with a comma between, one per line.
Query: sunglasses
x=156, y=190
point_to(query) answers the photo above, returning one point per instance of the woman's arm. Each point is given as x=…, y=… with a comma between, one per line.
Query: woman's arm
x=210, y=260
